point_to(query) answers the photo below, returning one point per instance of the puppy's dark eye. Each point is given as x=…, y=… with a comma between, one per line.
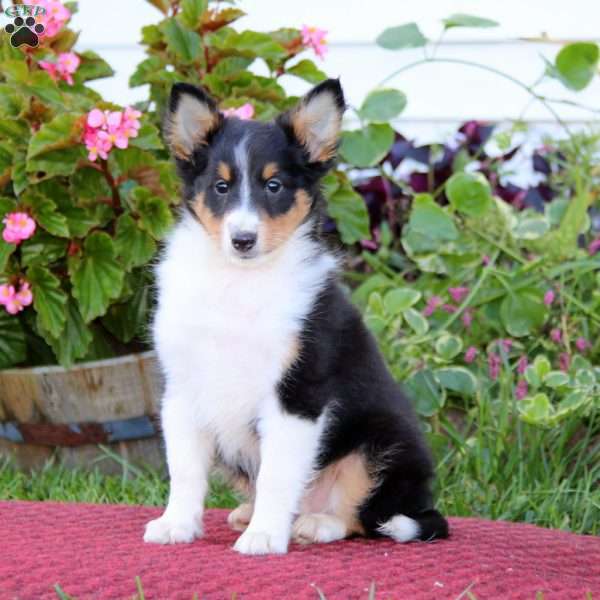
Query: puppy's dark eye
x=273, y=185
x=221, y=187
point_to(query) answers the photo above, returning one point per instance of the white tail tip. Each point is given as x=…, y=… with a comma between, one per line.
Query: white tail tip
x=401, y=528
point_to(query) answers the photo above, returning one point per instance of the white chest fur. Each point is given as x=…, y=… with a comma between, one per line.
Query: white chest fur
x=224, y=332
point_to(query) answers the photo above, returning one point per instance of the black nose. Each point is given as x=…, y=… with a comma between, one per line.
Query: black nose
x=243, y=241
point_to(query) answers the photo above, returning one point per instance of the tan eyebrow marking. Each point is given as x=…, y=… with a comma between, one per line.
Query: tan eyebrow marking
x=270, y=169
x=224, y=171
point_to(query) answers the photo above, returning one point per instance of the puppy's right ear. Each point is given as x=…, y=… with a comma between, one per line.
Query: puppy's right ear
x=192, y=118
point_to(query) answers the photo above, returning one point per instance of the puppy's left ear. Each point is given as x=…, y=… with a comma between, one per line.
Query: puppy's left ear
x=315, y=123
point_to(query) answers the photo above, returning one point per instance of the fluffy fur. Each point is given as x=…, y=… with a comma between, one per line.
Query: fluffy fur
x=269, y=369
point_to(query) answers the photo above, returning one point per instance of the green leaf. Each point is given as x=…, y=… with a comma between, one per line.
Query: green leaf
x=63, y=131
x=536, y=410
x=185, y=44
x=348, y=210
x=401, y=299
x=49, y=300
x=469, y=193
x=530, y=227
x=6, y=251
x=75, y=340
x=457, y=379
x=127, y=320
x=366, y=147
x=155, y=215
x=383, y=105
x=148, y=138
x=426, y=392
x=56, y=162
x=44, y=211
x=191, y=11
x=97, y=277
x=523, y=312
x=542, y=366
x=556, y=379
x=402, y=36
x=430, y=220
x=92, y=66
x=464, y=20
x=42, y=248
x=576, y=64
x=134, y=246
x=248, y=43
x=307, y=70
x=418, y=323
x=448, y=346
x=13, y=349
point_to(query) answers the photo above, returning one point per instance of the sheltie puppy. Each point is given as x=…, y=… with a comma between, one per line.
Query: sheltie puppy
x=269, y=369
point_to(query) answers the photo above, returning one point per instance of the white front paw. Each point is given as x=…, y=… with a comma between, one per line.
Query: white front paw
x=166, y=530
x=261, y=542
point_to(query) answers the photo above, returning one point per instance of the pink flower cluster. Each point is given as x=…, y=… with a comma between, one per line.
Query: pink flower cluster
x=15, y=301
x=105, y=129
x=56, y=16
x=313, y=37
x=244, y=112
x=66, y=65
x=594, y=246
x=19, y=226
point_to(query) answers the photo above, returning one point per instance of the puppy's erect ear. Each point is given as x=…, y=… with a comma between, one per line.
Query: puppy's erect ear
x=192, y=117
x=316, y=122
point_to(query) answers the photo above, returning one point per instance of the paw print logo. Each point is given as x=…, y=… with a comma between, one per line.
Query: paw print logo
x=24, y=31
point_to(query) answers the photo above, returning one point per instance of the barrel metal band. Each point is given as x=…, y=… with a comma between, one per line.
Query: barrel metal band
x=79, y=434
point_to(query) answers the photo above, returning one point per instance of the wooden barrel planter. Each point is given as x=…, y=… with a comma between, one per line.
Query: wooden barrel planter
x=73, y=414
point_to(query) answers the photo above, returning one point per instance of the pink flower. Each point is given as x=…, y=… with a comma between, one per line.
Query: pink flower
x=313, y=37
x=522, y=365
x=131, y=121
x=458, y=294
x=449, y=308
x=594, y=246
x=432, y=304
x=505, y=344
x=470, y=354
x=96, y=146
x=549, y=297
x=7, y=294
x=50, y=68
x=56, y=16
x=68, y=63
x=108, y=129
x=582, y=344
x=521, y=389
x=494, y=364
x=486, y=260
x=467, y=318
x=24, y=295
x=96, y=118
x=19, y=226
x=244, y=112
x=564, y=361
x=15, y=301
x=556, y=335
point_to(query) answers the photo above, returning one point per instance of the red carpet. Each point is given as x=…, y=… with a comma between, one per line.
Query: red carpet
x=96, y=552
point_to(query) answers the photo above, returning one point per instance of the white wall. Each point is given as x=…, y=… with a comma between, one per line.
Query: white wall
x=439, y=95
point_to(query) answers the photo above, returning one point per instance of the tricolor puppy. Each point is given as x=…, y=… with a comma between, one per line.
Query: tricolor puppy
x=269, y=369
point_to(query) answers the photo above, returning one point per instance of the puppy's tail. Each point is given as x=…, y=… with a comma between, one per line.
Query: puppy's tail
x=426, y=526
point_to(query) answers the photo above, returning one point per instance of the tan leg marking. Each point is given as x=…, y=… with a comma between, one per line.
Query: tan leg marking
x=239, y=518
